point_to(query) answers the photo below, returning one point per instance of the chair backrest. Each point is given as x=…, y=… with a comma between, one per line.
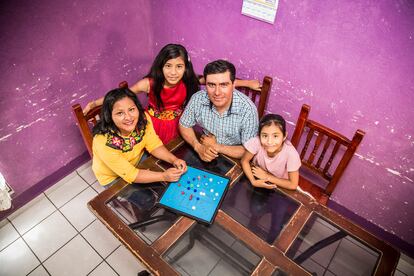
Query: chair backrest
x=85, y=123
x=321, y=149
x=259, y=96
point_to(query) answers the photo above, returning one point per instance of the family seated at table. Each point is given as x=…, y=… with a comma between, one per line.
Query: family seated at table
x=228, y=118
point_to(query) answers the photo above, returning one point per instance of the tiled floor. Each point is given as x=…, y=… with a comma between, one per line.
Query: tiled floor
x=56, y=234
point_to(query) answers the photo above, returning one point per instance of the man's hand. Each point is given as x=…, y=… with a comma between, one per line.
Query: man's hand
x=172, y=175
x=259, y=173
x=206, y=153
x=208, y=139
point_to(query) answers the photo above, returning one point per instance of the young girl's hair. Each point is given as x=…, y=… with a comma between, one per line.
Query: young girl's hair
x=106, y=124
x=275, y=119
x=190, y=79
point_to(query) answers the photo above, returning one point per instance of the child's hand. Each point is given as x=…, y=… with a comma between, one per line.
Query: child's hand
x=255, y=85
x=88, y=107
x=260, y=173
x=172, y=175
x=261, y=183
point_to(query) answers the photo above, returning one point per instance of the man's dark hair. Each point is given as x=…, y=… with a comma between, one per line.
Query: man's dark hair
x=220, y=66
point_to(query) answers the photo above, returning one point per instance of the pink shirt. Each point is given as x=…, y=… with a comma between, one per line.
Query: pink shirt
x=287, y=160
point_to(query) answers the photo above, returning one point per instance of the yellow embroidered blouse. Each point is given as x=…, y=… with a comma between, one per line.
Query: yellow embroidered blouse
x=110, y=163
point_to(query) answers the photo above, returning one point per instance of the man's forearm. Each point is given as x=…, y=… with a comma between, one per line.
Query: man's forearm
x=232, y=151
x=189, y=136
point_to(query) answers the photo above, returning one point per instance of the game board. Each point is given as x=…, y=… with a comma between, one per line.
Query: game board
x=198, y=194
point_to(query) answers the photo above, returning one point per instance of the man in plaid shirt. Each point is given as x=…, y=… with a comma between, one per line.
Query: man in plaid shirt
x=228, y=117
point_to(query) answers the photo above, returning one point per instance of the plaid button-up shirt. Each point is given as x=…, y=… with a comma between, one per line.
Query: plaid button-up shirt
x=234, y=127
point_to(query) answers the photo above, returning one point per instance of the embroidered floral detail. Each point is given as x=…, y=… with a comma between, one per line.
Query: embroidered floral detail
x=126, y=144
x=166, y=114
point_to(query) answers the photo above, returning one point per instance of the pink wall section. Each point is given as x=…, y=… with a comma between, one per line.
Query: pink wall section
x=352, y=61
x=54, y=54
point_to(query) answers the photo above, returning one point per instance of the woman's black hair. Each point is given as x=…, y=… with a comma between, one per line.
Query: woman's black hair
x=270, y=119
x=106, y=124
x=190, y=79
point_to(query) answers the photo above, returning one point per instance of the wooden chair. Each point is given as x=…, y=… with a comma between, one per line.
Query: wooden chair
x=319, y=154
x=262, y=95
x=85, y=123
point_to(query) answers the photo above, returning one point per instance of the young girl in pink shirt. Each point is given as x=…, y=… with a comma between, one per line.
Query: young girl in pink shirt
x=276, y=162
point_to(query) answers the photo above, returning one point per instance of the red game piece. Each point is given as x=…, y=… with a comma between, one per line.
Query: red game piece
x=191, y=197
x=179, y=184
x=182, y=193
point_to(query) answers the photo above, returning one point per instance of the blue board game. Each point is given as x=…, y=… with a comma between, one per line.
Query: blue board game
x=198, y=194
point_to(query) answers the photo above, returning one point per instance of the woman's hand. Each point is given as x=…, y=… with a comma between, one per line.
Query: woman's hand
x=180, y=164
x=260, y=173
x=172, y=175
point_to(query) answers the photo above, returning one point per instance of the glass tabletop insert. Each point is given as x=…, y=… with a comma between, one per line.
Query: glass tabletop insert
x=324, y=249
x=264, y=212
x=210, y=250
x=136, y=206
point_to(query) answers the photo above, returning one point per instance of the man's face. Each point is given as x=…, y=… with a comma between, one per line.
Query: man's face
x=220, y=90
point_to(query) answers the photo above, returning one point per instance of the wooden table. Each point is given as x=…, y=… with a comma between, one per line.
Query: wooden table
x=256, y=231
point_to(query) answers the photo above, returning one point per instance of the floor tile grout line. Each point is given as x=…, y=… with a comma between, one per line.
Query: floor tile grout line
x=333, y=256
x=113, y=253
x=103, y=261
x=25, y=232
x=77, y=233
x=358, y=243
x=103, y=258
x=19, y=236
x=90, y=184
x=31, y=250
x=40, y=265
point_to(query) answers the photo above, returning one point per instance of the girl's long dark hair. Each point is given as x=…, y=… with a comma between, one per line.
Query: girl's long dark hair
x=106, y=124
x=190, y=79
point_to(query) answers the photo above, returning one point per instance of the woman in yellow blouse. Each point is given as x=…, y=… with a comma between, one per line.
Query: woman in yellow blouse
x=121, y=137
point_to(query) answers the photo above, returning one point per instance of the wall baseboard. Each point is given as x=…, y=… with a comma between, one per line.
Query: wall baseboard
x=35, y=190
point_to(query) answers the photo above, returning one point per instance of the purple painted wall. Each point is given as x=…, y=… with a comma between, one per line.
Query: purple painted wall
x=352, y=61
x=54, y=54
